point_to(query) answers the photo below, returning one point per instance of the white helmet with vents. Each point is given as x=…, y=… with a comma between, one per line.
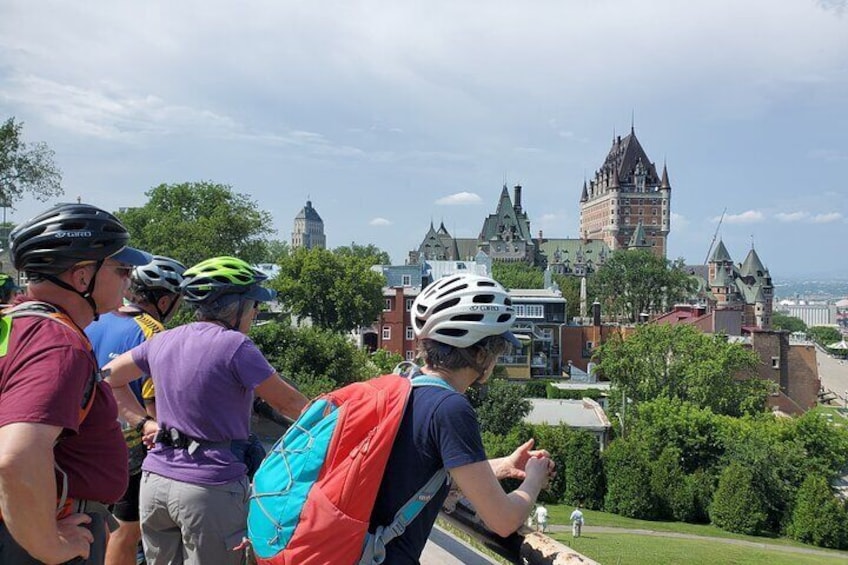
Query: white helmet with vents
x=460, y=310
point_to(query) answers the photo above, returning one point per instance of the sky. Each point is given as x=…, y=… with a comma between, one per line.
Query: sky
x=388, y=115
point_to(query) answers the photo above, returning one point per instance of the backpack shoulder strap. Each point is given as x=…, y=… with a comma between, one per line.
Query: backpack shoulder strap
x=45, y=310
x=375, y=545
x=149, y=326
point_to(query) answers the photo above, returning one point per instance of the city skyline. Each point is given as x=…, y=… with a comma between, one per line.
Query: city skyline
x=386, y=117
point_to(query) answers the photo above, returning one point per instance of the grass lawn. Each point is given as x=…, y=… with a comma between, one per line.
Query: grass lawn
x=558, y=514
x=632, y=549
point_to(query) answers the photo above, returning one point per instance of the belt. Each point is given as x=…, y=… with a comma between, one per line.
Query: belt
x=172, y=437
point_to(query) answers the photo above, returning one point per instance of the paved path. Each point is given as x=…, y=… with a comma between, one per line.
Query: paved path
x=833, y=374
x=731, y=541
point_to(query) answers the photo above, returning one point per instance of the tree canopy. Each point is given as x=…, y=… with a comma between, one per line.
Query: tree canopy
x=636, y=281
x=370, y=253
x=25, y=168
x=193, y=221
x=678, y=361
x=337, y=291
x=781, y=321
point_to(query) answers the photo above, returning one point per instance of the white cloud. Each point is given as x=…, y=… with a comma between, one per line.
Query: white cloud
x=678, y=221
x=791, y=216
x=747, y=217
x=380, y=222
x=460, y=198
x=827, y=218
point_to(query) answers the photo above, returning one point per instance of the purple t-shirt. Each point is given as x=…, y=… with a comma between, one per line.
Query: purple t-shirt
x=204, y=376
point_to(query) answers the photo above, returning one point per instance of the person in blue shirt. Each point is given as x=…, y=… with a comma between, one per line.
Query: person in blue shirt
x=154, y=297
x=462, y=325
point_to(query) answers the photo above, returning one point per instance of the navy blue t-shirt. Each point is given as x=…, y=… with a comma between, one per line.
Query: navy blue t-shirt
x=438, y=430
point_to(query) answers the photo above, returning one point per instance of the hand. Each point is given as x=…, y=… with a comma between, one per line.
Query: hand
x=74, y=539
x=541, y=468
x=148, y=433
x=513, y=466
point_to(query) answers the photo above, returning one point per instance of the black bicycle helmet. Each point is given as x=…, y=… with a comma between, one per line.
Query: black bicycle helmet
x=67, y=234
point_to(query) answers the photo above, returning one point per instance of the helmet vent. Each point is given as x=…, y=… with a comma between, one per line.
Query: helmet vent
x=453, y=290
x=485, y=283
x=446, y=304
x=452, y=332
x=467, y=318
x=484, y=298
x=504, y=318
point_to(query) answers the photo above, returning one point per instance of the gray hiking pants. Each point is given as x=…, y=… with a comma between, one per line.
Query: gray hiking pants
x=192, y=524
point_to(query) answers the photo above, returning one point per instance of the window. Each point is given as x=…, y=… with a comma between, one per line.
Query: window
x=590, y=345
x=529, y=311
x=387, y=332
x=775, y=362
x=409, y=334
x=387, y=307
x=406, y=280
x=410, y=355
x=409, y=302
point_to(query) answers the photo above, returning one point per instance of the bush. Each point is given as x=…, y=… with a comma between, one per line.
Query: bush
x=737, y=505
x=554, y=392
x=818, y=517
x=556, y=440
x=627, y=470
x=316, y=360
x=536, y=388
x=669, y=483
x=583, y=471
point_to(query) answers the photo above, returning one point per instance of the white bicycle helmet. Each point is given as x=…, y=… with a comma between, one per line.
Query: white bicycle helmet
x=161, y=273
x=460, y=310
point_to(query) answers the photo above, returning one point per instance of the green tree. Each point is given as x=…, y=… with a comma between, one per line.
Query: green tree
x=500, y=405
x=385, y=360
x=25, y=168
x=370, y=253
x=678, y=361
x=737, y=505
x=819, y=518
x=636, y=281
x=317, y=360
x=276, y=250
x=780, y=321
x=627, y=469
x=824, y=335
x=825, y=443
x=196, y=220
x=582, y=470
x=336, y=291
x=517, y=275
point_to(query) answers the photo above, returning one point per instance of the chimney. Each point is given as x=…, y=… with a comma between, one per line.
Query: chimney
x=517, y=198
x=596, y=314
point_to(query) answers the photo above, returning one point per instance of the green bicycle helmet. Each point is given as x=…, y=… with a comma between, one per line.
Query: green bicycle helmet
x=211, y=280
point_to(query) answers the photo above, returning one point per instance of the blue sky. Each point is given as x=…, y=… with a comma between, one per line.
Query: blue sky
x=389, y=114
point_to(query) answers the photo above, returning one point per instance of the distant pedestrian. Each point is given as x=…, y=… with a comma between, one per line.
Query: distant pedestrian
x=541, y=519
x=576, y=521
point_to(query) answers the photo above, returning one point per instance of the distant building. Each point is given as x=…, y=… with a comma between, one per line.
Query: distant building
x=746, y=288
x=586, y=415
x=627, y=204
x=505, y=236
x=308, y=229
x=811, y=314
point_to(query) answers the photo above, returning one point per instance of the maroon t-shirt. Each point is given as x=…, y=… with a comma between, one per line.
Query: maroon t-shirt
x=43, y=377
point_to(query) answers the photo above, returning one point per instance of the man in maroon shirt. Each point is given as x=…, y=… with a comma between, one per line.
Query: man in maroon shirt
x=77, y=261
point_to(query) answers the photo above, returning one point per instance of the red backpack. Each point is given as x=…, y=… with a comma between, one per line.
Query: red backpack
x=314, y=492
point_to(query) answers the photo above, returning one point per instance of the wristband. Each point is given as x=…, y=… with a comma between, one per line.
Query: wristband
x=140, y=426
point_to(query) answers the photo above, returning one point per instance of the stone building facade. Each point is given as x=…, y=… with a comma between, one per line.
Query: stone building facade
x=308, y=229
x=627, y=204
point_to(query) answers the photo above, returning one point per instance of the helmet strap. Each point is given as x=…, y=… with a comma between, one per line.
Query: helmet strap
x=87, y=294
x=164, y=315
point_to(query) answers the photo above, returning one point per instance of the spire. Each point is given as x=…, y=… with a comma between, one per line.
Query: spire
x=752, y=266
x=720, y=255
x=633, y=122
x=585, y=195
x=664, y=183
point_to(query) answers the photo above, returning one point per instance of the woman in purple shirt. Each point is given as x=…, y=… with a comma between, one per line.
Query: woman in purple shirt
x=194, y=489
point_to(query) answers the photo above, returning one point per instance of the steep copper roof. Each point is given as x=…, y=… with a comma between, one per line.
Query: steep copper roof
x=624, y=155
x=753, y=267
x=308, y=213
x=720, y=255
